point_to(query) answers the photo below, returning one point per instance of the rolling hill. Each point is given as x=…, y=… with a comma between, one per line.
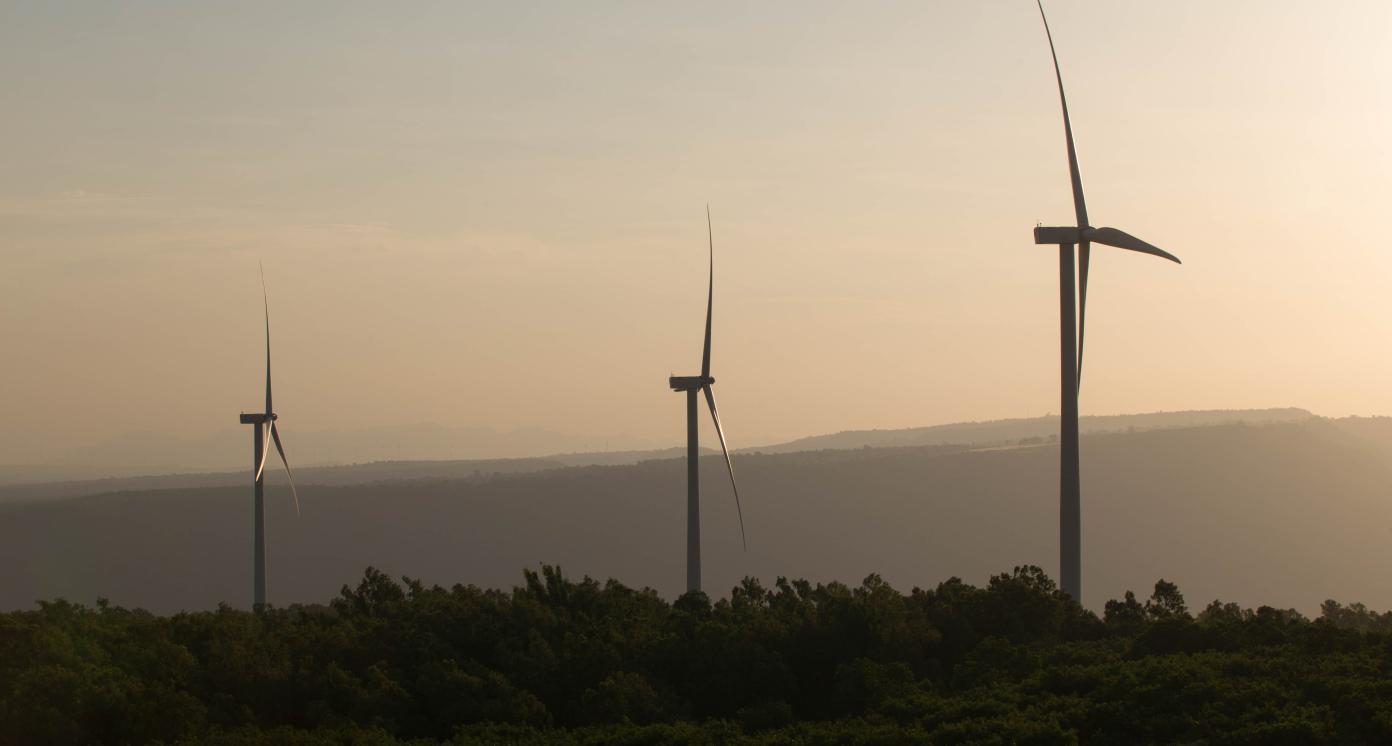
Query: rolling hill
x=1285, y=514
x=34, y=483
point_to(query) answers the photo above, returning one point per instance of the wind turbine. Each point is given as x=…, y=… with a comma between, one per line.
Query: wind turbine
x=1071, y=355
x=691, y=385
x=265, y=424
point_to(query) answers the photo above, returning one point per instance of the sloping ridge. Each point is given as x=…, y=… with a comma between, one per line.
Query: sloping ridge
x=1284, y=514
x=992, y=433
x=372, y=472
x=1012, y=431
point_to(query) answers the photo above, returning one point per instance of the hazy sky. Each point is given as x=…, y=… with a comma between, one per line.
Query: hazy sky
x=492, y=214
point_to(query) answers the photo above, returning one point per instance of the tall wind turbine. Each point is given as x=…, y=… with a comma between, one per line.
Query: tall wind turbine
x=691, y=385
x=265, y=423
x=1071, y=354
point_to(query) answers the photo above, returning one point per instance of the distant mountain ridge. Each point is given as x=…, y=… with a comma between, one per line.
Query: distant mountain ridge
x=51, y=485
x=372, y=472
x=1001, y=432
x=1286, y=513
x=152, y=453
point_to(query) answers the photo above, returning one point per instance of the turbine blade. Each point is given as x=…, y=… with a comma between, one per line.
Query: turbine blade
x=1079, y=204
x=1124, y=240
x=275, y=435
x=710, y=297
x=265, y=451
x=710, y=399
x=266, y=305
x=1084, y=256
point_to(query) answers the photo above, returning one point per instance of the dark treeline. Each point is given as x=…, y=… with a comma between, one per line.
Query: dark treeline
x=558, y=661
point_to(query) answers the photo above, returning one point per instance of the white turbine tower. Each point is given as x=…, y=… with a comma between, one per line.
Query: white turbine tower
x=691, y=385
x=1071, y=354
x=265, y=423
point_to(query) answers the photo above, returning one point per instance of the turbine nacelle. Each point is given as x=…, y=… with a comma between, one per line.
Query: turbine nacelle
x=690, y=383
x=1070, y=235
x=1067, y=234
x=257, y=418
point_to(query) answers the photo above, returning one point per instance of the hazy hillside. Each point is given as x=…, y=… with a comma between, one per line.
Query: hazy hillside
x=31, y=483
x=1285, y=514
x=143, y=453
x=368, y=473
x=1376, y=430
x=1025, y=429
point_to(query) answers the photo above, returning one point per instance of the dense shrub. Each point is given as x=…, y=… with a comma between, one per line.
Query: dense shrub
x=559, y=661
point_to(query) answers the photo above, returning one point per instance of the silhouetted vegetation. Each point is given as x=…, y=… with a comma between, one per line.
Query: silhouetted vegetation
x=559, y=661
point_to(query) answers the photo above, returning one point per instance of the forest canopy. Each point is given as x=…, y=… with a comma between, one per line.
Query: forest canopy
x=562, y=661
